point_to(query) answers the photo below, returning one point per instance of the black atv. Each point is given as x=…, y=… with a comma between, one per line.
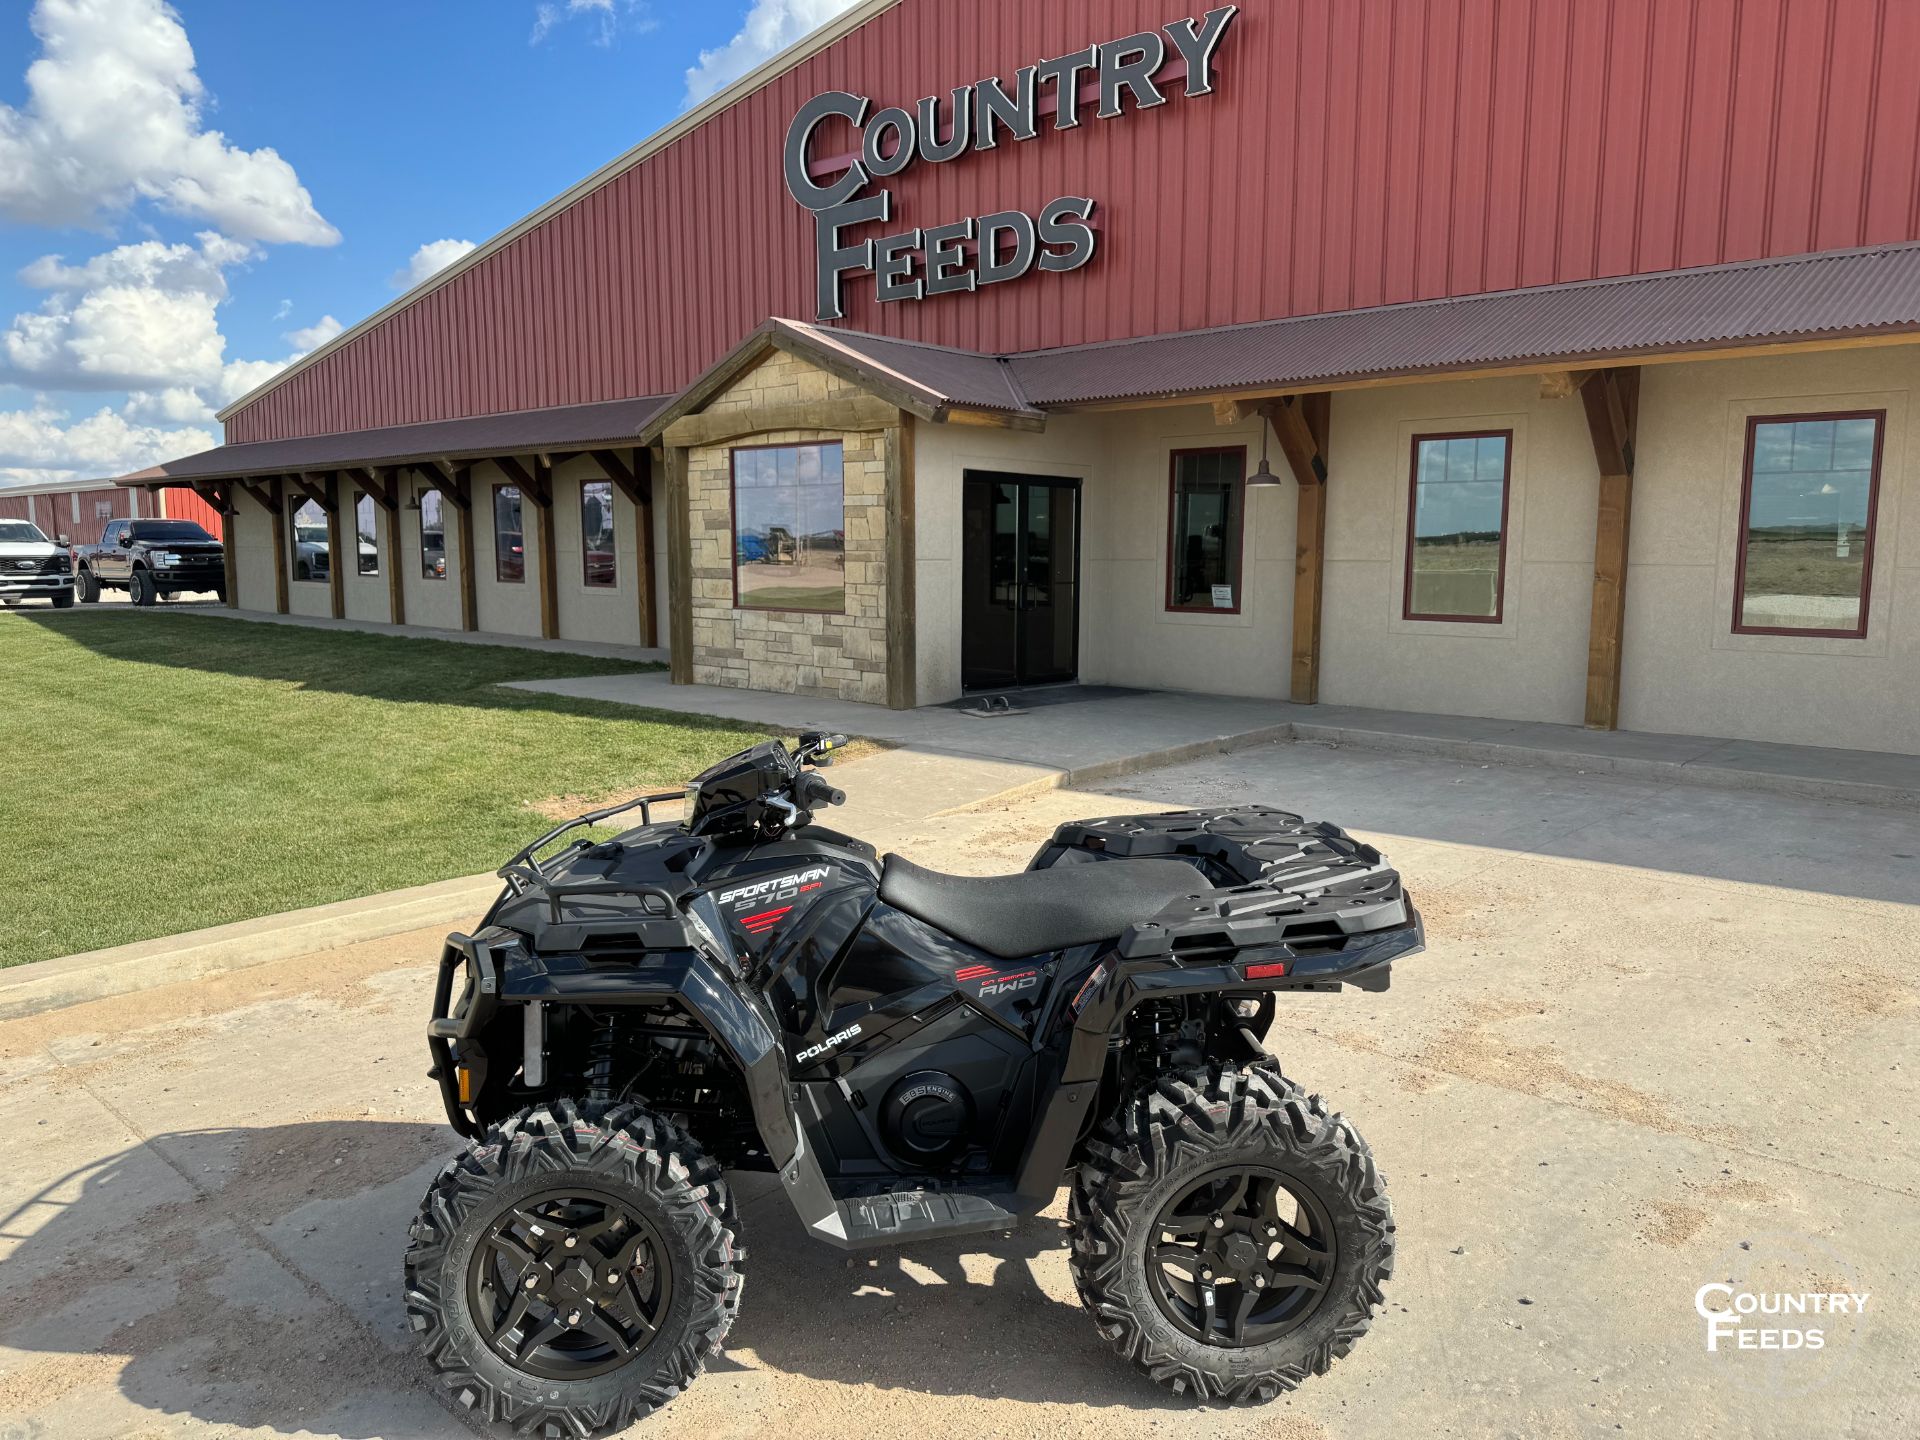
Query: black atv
x=915, y=1055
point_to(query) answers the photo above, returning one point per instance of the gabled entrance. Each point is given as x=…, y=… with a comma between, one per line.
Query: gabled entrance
x=1020, y=611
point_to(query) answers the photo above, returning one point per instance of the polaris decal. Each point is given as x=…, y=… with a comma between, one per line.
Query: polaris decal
x=784, y=888
x=838, y=1038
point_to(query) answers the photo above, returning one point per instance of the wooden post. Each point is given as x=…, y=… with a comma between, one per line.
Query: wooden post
x=549, y=551
x=279, y=511
x=221, y=498
x=1612, y=401
x=336, y=551
x=902, y=562
x=679, y=569
x=1300, y=424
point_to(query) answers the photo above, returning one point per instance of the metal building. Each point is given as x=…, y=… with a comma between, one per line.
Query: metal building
x=1546, y=361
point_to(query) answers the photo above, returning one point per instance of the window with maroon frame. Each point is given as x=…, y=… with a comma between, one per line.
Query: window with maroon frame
x=509, y=539
x=1807, y=504
x=596, y=533
x=1206, y=529
x=1457, y=527
x=789, y=528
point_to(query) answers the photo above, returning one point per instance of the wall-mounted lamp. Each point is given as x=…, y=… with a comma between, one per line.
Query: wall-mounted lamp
x=1264, y=474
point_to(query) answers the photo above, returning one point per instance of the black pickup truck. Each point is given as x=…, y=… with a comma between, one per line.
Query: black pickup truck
x=149, y=559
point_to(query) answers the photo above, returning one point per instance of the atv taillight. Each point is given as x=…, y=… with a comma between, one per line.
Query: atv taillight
x=1272, y=970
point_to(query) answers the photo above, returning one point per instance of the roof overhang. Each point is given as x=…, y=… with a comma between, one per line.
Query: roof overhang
x=559, y=430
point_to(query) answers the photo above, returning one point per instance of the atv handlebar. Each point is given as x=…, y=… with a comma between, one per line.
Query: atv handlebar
x=812, y=790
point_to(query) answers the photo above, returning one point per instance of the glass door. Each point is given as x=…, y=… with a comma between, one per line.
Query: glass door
x=1020, y=607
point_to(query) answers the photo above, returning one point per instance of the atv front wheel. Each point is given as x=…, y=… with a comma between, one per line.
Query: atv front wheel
x=1230, y=1235
x=572, y=1273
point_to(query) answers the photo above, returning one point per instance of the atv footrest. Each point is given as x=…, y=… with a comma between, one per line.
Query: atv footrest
x=913, y=1214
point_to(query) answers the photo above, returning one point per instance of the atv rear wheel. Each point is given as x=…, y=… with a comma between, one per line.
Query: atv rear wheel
x=572, y=1273
x=1230, y=1235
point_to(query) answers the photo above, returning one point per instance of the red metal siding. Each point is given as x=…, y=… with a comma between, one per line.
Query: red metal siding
x=1354, y=154
x=179, y=503
x=15, y=507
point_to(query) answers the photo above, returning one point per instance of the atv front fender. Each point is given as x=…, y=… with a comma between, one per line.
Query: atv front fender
x=501, y=972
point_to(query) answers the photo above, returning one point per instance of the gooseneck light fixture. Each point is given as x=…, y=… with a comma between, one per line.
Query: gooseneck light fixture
x=1264, y=474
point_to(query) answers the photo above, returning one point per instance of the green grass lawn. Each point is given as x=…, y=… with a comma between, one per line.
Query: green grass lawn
x=161, y=773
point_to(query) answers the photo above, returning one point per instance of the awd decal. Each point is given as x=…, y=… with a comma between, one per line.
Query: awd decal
x=838, y=1038
x=993, y=984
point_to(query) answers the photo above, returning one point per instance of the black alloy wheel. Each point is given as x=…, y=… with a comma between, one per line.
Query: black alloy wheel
x=1241, y=1257
x=569, y=1285
x=574, y=1270
x=1231, y=1234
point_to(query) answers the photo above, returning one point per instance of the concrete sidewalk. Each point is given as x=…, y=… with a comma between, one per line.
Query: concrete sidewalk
x=1102, y=737
x=115, y=602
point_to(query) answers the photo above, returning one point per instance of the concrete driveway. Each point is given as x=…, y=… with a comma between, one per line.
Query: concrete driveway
x=1662, y=1036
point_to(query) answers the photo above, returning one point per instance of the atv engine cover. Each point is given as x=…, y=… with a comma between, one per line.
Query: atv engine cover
x=927, y=1117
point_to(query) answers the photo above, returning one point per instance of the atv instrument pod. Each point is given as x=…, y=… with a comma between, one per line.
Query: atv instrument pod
x=914, y=1054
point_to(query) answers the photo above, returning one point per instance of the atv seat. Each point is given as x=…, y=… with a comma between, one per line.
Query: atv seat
x=1015, y=916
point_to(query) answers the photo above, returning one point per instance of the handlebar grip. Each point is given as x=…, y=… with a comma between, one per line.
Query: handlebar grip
x=817, y=789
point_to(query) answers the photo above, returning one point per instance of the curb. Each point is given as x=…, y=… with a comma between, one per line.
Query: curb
x=44, y=985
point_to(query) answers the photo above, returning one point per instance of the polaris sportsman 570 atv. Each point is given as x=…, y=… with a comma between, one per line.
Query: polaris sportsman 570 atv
x=915, y=1055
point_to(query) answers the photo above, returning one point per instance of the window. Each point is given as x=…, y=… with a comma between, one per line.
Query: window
x=789, y=528
x=433, y=535
x=509, y=542
x=1207, y=528
x=596, y=533
x=367, y=534
x=311, y=551
x=1806, y=525
x=1457, y=527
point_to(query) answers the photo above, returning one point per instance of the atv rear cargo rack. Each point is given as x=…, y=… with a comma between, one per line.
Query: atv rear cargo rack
x=1287, y=892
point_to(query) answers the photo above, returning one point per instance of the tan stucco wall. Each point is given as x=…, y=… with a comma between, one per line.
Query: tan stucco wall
x=433, y=603
x=843, y=656
x=1127, y=636
x=1530, y=666
x=504, y=607
x=252, y=528
x=366, y=595
x=608, y=614
x=1684, y=669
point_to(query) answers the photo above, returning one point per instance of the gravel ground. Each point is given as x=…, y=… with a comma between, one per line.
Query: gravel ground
x=1661, y=1036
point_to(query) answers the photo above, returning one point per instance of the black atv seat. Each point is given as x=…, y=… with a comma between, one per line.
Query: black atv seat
x=1014, y=916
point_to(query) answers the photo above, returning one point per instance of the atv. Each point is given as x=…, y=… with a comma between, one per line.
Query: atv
x=915, y=1055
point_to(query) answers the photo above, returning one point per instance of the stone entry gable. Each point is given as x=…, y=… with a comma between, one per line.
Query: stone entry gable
x=842, y=657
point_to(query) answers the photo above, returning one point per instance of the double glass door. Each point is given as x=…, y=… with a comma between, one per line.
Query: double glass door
x=1020, y=558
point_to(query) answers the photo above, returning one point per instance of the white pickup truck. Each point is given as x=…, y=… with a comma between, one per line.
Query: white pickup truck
x=33, y=567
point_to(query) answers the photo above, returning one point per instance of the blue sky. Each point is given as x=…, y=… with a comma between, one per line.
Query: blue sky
x=192, y=194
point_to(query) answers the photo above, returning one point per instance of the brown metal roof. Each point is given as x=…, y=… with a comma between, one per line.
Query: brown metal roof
x=611, y=425
x=1839, y=293
x=944, y=376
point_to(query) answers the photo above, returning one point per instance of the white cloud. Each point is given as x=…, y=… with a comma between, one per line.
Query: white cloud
x=44, y=443
x=770, y=27
x=143, y=318
x=312, y=337
x=429, y=260
x=138, y=317
x=113, y=116
x=607, y=18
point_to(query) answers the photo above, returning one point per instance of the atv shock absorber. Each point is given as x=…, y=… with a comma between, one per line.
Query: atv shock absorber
x=601, y=1050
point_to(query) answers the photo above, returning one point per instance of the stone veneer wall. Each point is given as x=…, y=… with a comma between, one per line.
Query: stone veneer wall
x=843, y=657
